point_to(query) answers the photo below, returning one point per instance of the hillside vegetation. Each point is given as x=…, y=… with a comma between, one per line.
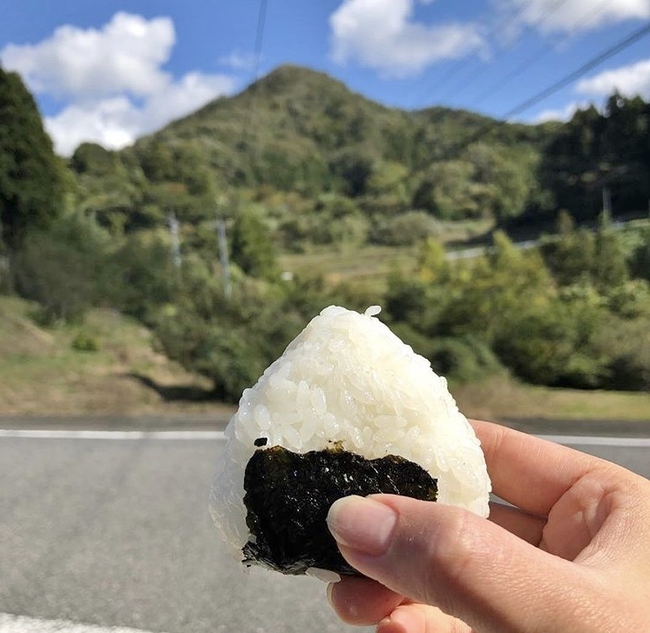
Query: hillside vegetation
x=326, y=197
x=323, y=165
x=107, y=366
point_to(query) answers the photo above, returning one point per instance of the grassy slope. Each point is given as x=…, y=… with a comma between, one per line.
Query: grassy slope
x=41, y=373
x=501, y=398
x=368, y=266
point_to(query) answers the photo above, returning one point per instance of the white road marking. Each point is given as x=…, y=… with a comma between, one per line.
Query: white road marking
x=590, y=440
x=37, y=434
x=21, y=624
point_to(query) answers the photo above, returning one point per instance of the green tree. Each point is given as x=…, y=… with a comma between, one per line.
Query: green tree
x=230, y=341
x=353, y=168
x=251, y=246
x=570, y=256
x=157, y=160
x=507, y=176
x=625, y=345
x=32, y=177
x=640, y=264
x=388, y=178
x=91, y=158
x=485, y=296
x=142, y=275
x=610, y=262
x=448, y=190
x=405, y=229
x=407, y=300
x=64, y=268
x=432, y=261
x=337, y=220
x=597, y=149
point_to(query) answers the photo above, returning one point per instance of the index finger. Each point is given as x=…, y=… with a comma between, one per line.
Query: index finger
x=527, y=471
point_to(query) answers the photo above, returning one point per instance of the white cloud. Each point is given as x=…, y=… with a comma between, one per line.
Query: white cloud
x=629, y=81
x=113, y=123
x=574, y=15
x=112, y=80
x=559, y=114
x=184, y=96
x=118, y=121
x=238, y=61
x=124, y=55
x=382, y=34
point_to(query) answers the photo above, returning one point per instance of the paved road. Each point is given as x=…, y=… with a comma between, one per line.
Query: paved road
x=116, y=533
x=477, y=251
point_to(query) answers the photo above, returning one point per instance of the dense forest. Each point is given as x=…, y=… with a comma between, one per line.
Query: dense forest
x=297, y=162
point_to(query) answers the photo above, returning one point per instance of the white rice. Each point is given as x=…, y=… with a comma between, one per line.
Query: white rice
x=347, y=378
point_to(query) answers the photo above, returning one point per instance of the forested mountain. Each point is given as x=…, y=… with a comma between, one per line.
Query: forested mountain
x=302, y=134
x=299, y=142
x=298, y=163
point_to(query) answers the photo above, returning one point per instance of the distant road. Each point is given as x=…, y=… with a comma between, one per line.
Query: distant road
x=477, y=251
x=115, y=532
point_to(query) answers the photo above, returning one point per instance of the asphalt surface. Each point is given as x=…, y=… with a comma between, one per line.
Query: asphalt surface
x=116, y=533
x=217, y=421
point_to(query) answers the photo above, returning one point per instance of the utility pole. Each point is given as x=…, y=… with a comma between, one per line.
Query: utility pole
x=223, y=257
x=607, y=204
x=176, y=245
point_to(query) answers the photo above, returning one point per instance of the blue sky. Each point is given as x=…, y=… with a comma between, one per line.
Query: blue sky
x=112, y=71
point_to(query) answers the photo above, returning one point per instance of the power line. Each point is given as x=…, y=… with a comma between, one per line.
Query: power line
x=247, y=124
x=501, y=25
x=259, y=38
x=579, y=72
x=538, y=55
x=247, y=135
x=536, y=24
x=561, y=83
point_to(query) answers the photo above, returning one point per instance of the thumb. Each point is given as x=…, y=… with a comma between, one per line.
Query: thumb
x=469, y=567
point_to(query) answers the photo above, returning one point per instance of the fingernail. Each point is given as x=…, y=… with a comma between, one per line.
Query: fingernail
x=362, y=524
x=330, y=588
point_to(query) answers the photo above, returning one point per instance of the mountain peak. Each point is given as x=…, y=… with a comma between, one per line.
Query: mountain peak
x=290, y=77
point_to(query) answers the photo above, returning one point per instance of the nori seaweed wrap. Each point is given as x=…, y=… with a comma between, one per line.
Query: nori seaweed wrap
x=288, y=496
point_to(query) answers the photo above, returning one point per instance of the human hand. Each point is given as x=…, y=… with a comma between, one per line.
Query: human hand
x=572, y=555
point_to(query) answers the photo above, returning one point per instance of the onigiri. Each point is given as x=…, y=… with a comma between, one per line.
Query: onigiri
x=349, y=396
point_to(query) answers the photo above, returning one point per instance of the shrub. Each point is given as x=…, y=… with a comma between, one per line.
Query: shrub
x=461, y=359
x=229, y=341
x=640, y=263
x=625, y=345
x=549, y=347
x=85, y=342
x=413, y=301
x=251, y=246
x=143, y=276
x=63, y=269
x=406, y=229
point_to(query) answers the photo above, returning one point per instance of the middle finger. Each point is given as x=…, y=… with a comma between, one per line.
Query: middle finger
x=526, y=526
x=361, y=601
